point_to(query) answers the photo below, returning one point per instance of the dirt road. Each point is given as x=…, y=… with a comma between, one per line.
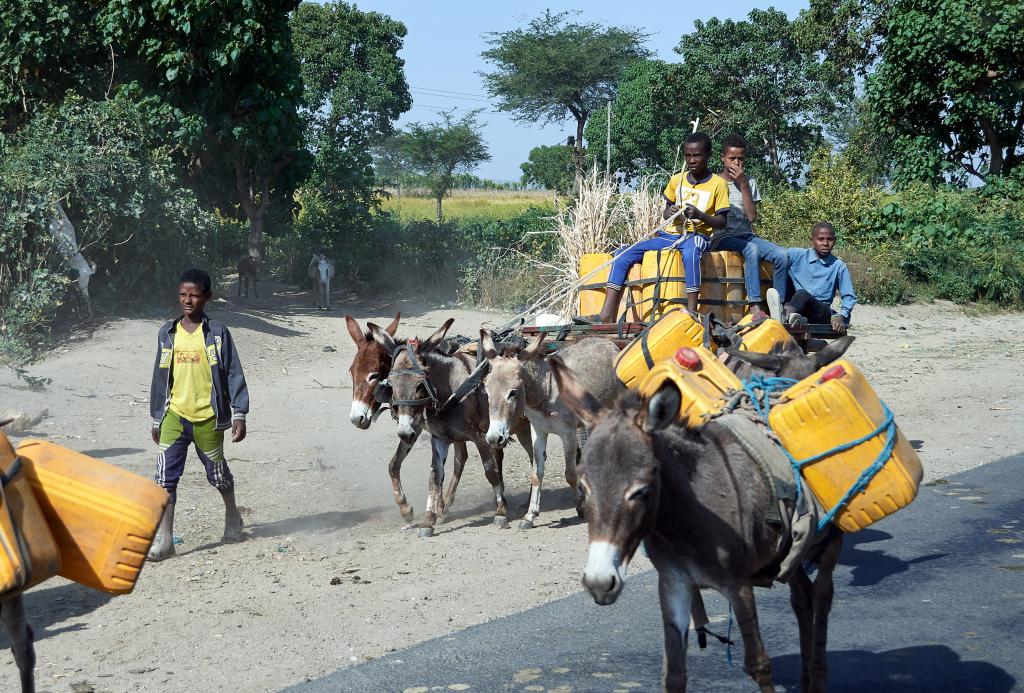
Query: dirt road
x=318, y=507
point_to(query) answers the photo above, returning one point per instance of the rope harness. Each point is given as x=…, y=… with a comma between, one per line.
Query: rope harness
x=762, y=392
x=384, y=391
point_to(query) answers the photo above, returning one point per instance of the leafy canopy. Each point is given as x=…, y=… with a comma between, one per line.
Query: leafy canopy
x=949, y=89
x=555, y=68
x=549, y=167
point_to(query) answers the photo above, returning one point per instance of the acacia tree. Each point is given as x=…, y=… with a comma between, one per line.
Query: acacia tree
x=439, y=151
x=555, y=68
x=948, y=88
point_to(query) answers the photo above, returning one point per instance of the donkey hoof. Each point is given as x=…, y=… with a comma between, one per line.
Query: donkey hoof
x=525, y=524
x=426, y=531
x=501, y=522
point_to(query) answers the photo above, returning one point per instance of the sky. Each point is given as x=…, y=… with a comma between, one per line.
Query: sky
x=445, y=39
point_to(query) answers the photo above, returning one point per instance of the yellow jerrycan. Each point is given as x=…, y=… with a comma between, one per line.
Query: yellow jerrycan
x=592, y=292
x=103, y=517
x=675, y=329
x=763, y=336
x=703, y=381
x=28, y=552
x=833, y=407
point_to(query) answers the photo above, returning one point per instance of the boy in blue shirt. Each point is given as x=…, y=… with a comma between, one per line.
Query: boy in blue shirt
x=817, y=275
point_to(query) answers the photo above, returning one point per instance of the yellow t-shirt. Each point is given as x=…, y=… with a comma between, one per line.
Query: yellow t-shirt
x=710, y=197
x=193, y=380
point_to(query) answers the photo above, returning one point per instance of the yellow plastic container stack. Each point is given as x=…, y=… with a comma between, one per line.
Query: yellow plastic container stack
x=673, y=330
x=703, y=382
x=28, y=552
x=722, y=289
x=764, y=337
x=591, y=298
x=834, y=406
x=103, y=518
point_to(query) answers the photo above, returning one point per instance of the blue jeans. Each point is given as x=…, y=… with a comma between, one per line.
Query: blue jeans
x=754, y=250
x=692, y=249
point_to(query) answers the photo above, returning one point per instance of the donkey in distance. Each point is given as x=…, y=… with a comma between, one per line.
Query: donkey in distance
x=519, y=384
x=248, y=273
x=699, y=503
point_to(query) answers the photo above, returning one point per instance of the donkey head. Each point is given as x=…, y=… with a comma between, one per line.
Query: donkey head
x=411, y=389
x=370, y=366
x=619, y=482
x=788, y=363
x=506, y=394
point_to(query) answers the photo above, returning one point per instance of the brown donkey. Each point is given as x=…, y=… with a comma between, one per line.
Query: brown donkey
x=424, y=383
x=699, y=503
x=248, y=273
x=370, y=367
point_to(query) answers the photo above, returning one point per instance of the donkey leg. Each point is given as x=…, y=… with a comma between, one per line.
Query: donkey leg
x=675, y=593
x=435, y=484
x=395, y=472
x=12, y=613
x=492, y=459
x=571, y=446
x=800, y=599
x=540, y=457
x=755, y=659
x=822, y=603
x=461, y=455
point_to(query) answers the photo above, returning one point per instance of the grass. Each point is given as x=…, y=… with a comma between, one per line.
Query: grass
x=461, y=204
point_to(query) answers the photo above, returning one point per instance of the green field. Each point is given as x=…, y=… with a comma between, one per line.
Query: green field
x=461, y=204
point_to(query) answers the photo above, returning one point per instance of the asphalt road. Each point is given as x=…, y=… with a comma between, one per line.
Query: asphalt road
x=930, y=599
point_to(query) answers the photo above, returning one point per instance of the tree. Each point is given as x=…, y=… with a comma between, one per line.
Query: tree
x=438, y=151
x=549, y=167
x=555, y=68
x=650, y=119
x=355, y=89
x=227, y=72
x=755, y=75
x=948, y=90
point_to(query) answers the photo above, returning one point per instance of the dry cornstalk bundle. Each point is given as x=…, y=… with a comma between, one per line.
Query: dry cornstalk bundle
x=642, y=209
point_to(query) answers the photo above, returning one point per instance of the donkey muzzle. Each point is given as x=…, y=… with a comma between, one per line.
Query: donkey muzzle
x=497, y=435
x=360, y=415
x=604, y=575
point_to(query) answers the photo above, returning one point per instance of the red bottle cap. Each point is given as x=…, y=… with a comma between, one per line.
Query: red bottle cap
x=832, y=373
x=688, y=358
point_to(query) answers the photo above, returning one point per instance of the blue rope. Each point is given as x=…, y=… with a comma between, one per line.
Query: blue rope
x=768, y=386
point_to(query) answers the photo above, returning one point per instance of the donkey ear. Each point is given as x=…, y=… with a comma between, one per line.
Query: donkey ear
x=381, y=337
x=487, y=344
x=393, y=327
x=434, y=340
x=766, y=362
x=353, y=329
x=662, y=408
x=833, y=351
x=534, y=348
x=573, y=393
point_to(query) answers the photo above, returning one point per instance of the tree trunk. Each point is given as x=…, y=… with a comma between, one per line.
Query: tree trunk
x=254, y=211
x=773, y=149
x=995, y=148
x=439, y=197
x=581, y=121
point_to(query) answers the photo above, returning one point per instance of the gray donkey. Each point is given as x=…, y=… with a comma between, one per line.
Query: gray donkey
x=519, y=382
x=425, y=388
x=12, y=614
x=699, y=503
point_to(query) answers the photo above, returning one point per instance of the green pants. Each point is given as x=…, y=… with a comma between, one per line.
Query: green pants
x=176, y=434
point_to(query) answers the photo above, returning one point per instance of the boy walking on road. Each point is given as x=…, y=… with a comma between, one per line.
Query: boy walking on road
x=198, y=392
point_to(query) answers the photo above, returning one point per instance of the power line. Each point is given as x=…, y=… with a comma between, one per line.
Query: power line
x=447, y=91
x=447, y=96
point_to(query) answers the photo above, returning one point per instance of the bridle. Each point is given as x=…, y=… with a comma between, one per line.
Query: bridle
x=383, y=393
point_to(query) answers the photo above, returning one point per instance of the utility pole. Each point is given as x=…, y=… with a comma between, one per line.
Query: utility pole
x=608, y=145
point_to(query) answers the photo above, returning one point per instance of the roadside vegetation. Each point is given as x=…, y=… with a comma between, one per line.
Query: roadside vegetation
x=126, y=114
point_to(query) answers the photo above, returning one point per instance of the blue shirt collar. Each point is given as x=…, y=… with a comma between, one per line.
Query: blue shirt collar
x=812, y=257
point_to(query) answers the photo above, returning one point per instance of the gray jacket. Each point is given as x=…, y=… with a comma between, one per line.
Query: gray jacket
x=229, y=396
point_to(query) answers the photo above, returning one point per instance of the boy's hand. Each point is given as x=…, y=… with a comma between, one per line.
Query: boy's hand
x=839, y=324
x=155, y=432
x=237, y=431
x=669, y=211
x=691, y=212
x=739, y=176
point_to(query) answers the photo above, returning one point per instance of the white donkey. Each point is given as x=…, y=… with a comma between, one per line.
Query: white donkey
x=67, y=245
x=321, y=271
